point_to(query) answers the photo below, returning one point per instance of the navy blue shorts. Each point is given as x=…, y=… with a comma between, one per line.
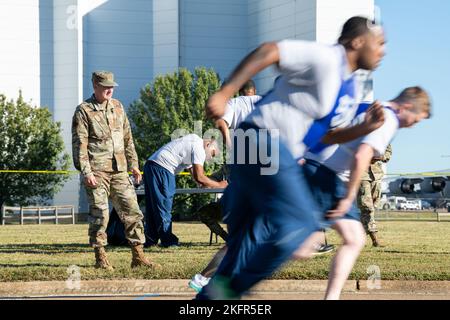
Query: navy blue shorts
x=327, y=189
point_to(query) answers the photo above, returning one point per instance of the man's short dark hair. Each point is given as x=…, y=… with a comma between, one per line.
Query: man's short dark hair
x=250, y=84
x=353, y=28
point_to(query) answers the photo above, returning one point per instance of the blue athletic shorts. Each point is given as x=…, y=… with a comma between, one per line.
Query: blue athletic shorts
x=327, y=189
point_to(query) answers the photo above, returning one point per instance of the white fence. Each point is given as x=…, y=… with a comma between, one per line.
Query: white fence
x=38, y=214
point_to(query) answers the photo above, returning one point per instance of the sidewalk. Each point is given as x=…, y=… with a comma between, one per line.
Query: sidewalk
x=267, y=290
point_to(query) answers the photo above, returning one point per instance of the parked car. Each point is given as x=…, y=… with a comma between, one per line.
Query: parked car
x=409, y=205
x=415, y=205
x=403, y=205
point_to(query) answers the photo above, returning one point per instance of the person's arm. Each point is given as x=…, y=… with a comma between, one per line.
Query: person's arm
x=130, y=150
x=261, y=58
x=361, y=163
x=222, y=125
x=80, y=134
x=373, y=120
x=199, y=176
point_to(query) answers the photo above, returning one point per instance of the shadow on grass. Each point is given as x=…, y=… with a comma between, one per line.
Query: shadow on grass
x=67, y=248
x=180, y=246
x=42, y=265
x=414, y=252
x=411, y=220
x=45, y=248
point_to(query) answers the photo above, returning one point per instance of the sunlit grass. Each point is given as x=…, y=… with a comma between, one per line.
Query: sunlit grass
x=415, y=250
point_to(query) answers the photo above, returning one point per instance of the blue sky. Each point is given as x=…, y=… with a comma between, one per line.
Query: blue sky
x=418, y=53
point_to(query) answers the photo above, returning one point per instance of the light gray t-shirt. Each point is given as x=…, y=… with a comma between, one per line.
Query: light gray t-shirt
x=339, y=158
x=238, y=109
x=180, y=154
x=308, y=88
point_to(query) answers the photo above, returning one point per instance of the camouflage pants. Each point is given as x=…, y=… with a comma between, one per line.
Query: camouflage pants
x=119, y=187
x=368, y=199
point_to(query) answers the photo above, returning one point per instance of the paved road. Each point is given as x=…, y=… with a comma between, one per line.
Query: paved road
x=269, y=297
x=178, y=290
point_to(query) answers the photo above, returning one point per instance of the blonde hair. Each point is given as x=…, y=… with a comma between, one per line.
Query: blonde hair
x=416, y=96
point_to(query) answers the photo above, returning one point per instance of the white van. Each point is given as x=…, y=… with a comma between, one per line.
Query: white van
x=410, y=205
x=392, y=203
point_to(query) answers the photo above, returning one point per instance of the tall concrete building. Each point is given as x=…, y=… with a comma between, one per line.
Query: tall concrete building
x=50, y=47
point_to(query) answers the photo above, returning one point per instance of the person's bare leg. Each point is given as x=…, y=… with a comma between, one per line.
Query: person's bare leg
x=306, y=250
x=212, y=266
x=352, y=232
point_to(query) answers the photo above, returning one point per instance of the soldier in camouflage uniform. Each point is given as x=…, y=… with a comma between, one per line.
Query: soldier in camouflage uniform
x=103, y=151
x=370, y=193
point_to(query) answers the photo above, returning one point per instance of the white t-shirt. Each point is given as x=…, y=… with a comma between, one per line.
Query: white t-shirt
x=180, y=154
x=339, y=158
x=308, y=88
x=238, y=109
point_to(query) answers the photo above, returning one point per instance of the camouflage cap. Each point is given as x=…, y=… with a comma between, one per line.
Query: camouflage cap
x=104, y=78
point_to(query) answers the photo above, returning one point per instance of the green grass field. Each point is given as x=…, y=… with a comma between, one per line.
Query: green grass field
x=415, y=250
